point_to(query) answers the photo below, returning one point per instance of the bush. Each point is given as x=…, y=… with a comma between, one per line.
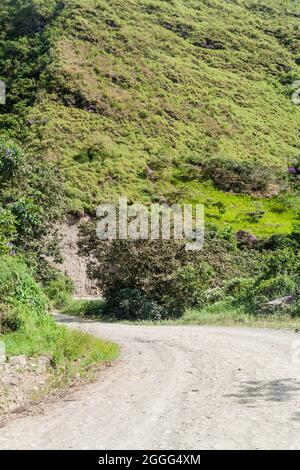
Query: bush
x=32, y=202
x=162, y=269
x=238, y=287
x=278, y=242
x=295, y=235
x=131, y=304
x=270, y=289
x=239, y=177
x=294, y=309
x=18, y=287
x=7, y=230
x=279, y=277
x=22, y=301
x=29, y=329
x=10, y=320
x=11, y=160
x=254, y=216
x=60, y=291
x=190, y=283
x=284, y=261
x=212, y=296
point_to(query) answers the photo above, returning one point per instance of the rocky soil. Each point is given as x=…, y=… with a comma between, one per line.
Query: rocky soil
x=73, y=264
x=22, y=380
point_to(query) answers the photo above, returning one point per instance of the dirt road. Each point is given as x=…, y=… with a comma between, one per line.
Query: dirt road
x=178, y=387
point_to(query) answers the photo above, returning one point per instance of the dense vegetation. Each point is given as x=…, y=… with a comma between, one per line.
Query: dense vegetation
x=161, y=101
x=31, y=205
x=32, y=201
x=159, y=280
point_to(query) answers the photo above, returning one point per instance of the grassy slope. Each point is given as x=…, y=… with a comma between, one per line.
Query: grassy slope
x=136, y=89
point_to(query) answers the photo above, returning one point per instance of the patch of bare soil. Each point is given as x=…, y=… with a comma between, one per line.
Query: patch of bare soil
x=28, y=385
x=21, y=380
x=74, y=265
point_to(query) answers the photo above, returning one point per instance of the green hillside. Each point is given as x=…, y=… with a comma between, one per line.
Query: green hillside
x=153, y=99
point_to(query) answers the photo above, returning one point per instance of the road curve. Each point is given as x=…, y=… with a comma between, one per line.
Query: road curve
x=177, y=387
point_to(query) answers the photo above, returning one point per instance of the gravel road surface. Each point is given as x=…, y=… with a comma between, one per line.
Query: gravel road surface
x=177, y=387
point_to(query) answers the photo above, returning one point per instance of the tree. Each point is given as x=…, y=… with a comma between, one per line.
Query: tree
x=162, y=270
x=32, y=202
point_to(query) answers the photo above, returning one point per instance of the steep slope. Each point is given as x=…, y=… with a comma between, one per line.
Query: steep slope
x=133, y=97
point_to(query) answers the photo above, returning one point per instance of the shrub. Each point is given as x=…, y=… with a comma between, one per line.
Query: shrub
x=295, y=235
x=277, y=286
x=246, y=239
x=60, y=290
x=237, y=285
x=18, y=287
x=23, y=304
x=239, y=177
x=280, y=276
x=278, y=242
x=214, y=295
x=30, y=330
x=162, y=269
x=255, y=216
x=7, y=230
x=190, y=283
x=32, y=202
x=10, y=319
x=294, y=309
x=11, y=160
x=131, y=304
x=284, y=261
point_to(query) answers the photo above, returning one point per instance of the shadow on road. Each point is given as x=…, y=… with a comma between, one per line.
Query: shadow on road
x=281, y=390
x=60, y=318
x=66, y=318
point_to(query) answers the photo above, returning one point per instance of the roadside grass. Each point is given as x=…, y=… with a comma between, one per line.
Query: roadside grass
x=75, y=357
x=41, y=335
x=84, y=308
x=68, y=349
x=58, y=342
x=27, y=328
x=223, y=314
x=219, y=314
